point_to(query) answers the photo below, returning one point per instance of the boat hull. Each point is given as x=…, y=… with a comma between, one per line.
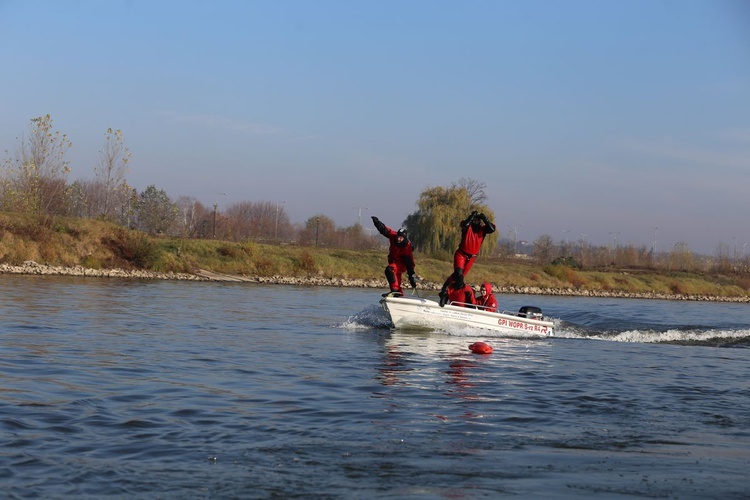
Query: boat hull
x=412, y=313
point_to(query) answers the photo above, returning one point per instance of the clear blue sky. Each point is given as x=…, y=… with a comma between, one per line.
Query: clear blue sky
x=595, y=119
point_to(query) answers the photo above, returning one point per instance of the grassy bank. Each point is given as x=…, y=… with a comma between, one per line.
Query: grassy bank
x=99, y=245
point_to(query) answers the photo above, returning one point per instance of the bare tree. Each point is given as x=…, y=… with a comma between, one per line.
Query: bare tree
x=681, y=257
x=81, y=198
x=320, y=230
x=111, y=171
x=190, y=215
x=240, y=221
x=544, y=249
x=723, y=262
x=260, y=221
x=35, y=181
x=474, y=188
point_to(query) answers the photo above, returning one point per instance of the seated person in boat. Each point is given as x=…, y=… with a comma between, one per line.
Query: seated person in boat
x=486, y=300
x=458, y=295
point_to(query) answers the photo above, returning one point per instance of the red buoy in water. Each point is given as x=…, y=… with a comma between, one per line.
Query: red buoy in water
x=481, y=348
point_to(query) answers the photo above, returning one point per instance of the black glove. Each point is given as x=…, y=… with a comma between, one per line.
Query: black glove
x=380, y=226
x=412, y=280
x=458, y=282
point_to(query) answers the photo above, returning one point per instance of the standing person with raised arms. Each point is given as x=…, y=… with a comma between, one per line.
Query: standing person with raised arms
x=400, y=258
x=473, y=231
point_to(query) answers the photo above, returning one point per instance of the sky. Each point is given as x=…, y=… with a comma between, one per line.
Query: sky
x=601, y=121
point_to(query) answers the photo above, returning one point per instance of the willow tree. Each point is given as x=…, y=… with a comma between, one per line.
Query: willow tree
x=435, y=227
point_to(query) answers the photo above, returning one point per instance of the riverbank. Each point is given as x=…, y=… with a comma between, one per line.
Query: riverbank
x=34, y=268
x=94, y=248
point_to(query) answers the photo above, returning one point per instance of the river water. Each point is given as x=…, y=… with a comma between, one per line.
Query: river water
x=168, y=389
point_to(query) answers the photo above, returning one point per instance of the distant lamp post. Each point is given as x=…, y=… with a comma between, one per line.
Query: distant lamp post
x=276, y=230
x=656, y=231
x=614, y=234
x=614, y=238
x=317, y=229
x=216, y=206
x=515, y=237
x=359, y=214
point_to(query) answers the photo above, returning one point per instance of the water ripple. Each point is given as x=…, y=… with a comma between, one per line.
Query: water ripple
x=166, y=390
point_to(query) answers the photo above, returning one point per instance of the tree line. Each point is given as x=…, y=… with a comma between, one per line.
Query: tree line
x=34, y=181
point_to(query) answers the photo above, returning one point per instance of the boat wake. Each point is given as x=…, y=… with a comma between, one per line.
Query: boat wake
x=712, y=337
x=372, y=316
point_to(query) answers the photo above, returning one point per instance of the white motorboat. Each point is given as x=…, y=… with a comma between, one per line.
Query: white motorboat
x=415, y=313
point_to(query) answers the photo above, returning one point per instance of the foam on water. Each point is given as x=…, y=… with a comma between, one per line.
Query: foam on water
x=678, y=336
x=370, y=317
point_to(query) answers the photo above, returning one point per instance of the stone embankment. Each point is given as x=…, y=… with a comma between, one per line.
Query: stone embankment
x=31, y=267
x=573, y=292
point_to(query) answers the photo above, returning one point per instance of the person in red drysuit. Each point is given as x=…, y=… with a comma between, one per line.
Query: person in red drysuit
x=486, y=299
x=400, y=257
x=460, y=295
x=473, y=230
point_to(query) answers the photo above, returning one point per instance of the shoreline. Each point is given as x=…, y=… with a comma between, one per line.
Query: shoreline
x=33, y=268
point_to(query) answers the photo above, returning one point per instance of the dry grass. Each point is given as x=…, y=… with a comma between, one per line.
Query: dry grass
x=96, y=244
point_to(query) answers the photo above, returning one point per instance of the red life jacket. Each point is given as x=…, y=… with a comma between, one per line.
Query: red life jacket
x=472, y=236
x=401, y=255
x=488, y=300
x=463, y=294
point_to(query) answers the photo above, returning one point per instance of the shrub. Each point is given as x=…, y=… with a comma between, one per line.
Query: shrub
x=133, y=246
x=603, y=281
x=574, y=278
x=306, y=262
x=249, y=248
x=91, y=262
x=265, y=266
x=170, y=262
x=565, y=273
x=556, y=271
x=678, y=288
x=567, y=261
x=230, y=251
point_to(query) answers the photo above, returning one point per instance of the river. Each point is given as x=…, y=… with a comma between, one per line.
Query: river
x=167, y=389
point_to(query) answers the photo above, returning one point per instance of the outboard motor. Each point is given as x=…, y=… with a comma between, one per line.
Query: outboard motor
x=530, y=312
